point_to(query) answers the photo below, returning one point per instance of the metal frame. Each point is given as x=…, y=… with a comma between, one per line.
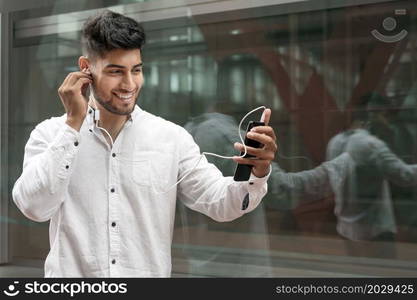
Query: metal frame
x=4, y=194
x=172, y=9
x=6, y=9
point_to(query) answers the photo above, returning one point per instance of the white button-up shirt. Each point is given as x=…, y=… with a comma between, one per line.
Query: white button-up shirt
x=111, y=213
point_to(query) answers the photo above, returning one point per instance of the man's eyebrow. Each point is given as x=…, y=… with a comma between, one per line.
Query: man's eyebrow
x=122, y=67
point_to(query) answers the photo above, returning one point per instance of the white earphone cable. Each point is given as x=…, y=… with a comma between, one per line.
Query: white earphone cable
x=97, y=117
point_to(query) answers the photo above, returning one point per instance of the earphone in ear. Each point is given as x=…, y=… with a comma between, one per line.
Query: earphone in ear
x=96, y=110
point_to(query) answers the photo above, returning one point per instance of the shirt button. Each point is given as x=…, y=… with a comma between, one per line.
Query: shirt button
x=90, y=130
x=90, y=111
x=114, y=155
x=113, y=261
x=112, y=190
x=66, y=167
x=76, y=144
x=250, y=183
x=113, y=224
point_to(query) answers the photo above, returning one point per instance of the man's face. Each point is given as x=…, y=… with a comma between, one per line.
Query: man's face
x=117, y=80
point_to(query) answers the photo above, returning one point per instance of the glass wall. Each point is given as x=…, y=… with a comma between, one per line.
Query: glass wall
x=339, y=76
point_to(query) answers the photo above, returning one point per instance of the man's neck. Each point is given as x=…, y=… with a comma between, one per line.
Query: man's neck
x=111, y=122
x=357, y=125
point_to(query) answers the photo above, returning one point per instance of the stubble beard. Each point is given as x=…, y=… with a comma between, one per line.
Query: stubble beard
x=110, y=108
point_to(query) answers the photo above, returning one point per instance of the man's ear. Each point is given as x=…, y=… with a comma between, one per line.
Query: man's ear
x=83, y=63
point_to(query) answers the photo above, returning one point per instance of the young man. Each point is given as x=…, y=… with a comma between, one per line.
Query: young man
x=108, y=200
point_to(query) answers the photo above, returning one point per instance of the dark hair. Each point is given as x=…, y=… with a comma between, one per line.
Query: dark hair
x=108, y=31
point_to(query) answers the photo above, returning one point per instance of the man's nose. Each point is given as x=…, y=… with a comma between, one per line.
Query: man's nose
x=128, y=83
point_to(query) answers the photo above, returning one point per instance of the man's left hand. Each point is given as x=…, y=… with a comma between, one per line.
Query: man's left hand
x=264, y=155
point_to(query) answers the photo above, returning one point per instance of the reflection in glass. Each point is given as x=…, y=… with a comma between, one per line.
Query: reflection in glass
x=312, y=67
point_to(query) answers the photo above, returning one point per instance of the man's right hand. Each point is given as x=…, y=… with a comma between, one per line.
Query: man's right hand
x=73, y=96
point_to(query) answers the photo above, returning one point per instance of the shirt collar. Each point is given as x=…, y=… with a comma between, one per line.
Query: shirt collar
x=135, y=113
x=132, y=118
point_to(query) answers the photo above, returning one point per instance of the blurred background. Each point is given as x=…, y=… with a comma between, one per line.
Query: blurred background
x=311, y=62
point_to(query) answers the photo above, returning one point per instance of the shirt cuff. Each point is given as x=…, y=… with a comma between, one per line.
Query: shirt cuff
x=253, y=180
x=257, y=188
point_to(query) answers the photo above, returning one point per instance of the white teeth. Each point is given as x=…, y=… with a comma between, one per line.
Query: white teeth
x=124, y=96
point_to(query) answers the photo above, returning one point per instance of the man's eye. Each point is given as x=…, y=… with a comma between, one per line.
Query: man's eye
x=114, y=71
x=137, y=70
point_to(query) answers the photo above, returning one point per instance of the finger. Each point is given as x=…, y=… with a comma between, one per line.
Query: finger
x=244, y=161
x=268, y=130
x=258, y=152
x=71, y=79
x=74, y=76
x=262, y=138
x=249, y=150
x=261, y=154
x=86, y=71
x=266, y=115
x=257, y=163
x=80, y=83
x=65, y=82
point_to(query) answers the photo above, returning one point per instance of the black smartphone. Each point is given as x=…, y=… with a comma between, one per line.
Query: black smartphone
x=242, y=172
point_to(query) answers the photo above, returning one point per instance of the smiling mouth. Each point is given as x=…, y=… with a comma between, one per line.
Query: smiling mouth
x=125, y=97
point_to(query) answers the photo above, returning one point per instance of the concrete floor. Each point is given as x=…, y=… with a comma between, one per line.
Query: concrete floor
x=12, y=271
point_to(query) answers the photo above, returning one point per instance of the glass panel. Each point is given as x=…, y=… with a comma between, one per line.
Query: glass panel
x=340, y=80
x=3, y=190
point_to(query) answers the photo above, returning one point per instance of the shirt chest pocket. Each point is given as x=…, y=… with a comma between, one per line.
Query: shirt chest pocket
x=141, y=171
x=153, y=168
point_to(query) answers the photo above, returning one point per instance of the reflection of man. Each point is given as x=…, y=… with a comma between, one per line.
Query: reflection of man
x=104, y=185
x=393, y=126
x=363, y=203
x=216, y=133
